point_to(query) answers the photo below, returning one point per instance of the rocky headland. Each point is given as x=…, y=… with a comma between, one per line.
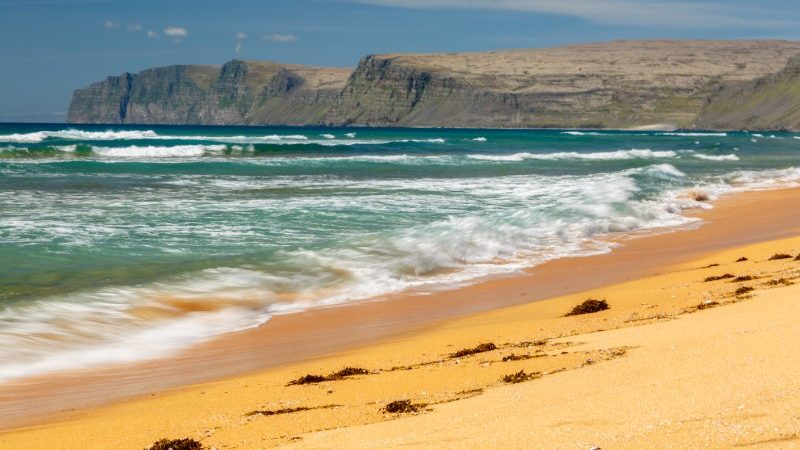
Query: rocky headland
x=621, y=84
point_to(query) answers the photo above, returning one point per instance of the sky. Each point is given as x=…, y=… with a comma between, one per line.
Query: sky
x=51, y=47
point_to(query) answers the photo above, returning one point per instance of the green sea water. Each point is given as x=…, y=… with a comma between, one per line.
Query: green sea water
x=123, y=243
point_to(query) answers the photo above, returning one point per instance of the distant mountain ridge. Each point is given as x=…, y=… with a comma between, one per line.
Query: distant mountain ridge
x=619, y=84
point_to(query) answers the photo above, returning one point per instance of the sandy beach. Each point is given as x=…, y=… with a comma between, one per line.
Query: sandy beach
x=674, y=356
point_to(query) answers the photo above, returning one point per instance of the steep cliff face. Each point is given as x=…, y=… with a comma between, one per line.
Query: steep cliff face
x=103, y=102
x=616, y=84
x=771, y=102
x=239, y=92
x=393, y=91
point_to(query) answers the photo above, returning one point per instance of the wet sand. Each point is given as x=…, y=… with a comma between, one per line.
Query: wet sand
x=735, y=221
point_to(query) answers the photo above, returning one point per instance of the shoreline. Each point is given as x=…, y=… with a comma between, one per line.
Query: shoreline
x=658, y=127
x=284, y=340
x=682, y=354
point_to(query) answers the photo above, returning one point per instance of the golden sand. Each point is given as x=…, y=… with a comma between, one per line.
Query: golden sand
x=676, y=362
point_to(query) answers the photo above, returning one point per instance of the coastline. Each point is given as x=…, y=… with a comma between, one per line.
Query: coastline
x=759, y=215
x=656, y=127
x=655, y=329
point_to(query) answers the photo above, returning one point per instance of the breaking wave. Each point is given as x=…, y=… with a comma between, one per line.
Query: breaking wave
x=730, y=157
x=596, y=156
x=78, y=135
x=693, y=134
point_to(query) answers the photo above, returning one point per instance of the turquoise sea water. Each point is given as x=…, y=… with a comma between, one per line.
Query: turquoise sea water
x=123, y=243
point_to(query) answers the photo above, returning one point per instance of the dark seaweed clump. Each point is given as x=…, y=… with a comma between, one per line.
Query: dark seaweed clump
x=481, y=348
x=176, y=444
x=742, y=259
x=719, y=277
x=342, y=374
x=277, y=412
x=777, y=256
x=520, y=376
x=589, y=306
x=513, y=357
x=402, y=406
x=744, y=290
x=743, y=278
x=706, y=305
x=348, y=372
x=308, y=379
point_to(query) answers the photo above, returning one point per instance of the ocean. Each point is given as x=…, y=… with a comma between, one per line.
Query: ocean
x=123, y=243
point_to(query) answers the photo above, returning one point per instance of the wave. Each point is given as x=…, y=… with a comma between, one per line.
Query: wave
x=211, y=150
x=277, y=139
x=525, y=228
x=730, y=157
x=518, y=221
x=582, y=133
x=135, y=151
x=665, y=171
x=44, y=339
x=71, y=134
x=596, y=156
x=693, y=134
x=479, y=139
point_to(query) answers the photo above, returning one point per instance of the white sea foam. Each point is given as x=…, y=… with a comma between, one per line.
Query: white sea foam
x=267, y=139
x=521, y=225
x=693, y=134
x=663, y=171
x=102, y=327
x=480, y=139
x=135, y=151
x=71, y=134
x=428, y=141
x=327, y=139
x=581, y=133
x=730, y=157
x=597, y=156
x=111, y=135
x=12, y=148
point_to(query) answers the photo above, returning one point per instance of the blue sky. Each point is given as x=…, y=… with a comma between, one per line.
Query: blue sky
x=50, y=47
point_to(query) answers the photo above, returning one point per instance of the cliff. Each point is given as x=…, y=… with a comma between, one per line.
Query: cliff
x=605, y=85
x=771, y=102
x=239, y=92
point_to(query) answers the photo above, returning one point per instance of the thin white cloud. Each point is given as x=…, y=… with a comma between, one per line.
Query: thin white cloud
x=110, y=24
x=152, y=34
x=176, y=32
x=674, y=13
x=240, y=35
x=275, y=37
x=133, y=27
x=238, y=49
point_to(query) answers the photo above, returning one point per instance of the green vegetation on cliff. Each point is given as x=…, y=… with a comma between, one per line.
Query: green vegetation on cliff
x=768, y=103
